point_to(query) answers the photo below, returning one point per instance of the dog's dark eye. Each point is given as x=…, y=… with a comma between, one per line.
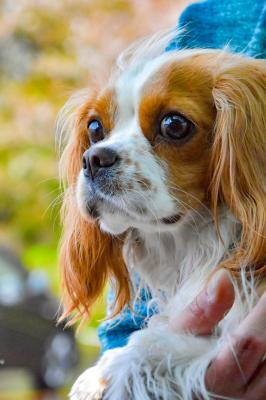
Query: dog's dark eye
x=176, y=127
x=95, y=130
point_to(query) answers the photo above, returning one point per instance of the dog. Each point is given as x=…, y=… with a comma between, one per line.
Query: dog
x=166, y=178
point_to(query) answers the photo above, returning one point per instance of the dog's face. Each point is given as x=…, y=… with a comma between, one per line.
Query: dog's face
x=148, y=141
x=181, y=132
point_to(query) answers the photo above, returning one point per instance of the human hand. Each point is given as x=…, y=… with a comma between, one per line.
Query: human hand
x=245, y=369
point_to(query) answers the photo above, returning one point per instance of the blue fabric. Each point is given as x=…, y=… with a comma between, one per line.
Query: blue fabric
x=238, y=24
x=115, y=332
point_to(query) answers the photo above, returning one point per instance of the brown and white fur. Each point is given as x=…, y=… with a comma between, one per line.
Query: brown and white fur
x=173, y=211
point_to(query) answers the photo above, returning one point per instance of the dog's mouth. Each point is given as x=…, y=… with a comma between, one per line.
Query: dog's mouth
x=98, y=207
x=94, y=213
x=92, y=210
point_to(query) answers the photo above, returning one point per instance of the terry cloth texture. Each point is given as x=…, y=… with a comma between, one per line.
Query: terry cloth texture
x=115, y=332
x=238, y=24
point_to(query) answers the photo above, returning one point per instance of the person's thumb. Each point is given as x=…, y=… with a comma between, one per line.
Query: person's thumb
x=202, y=315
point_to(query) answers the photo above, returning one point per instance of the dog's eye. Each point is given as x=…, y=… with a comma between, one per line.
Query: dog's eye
x=176, y=127
x=95, y=130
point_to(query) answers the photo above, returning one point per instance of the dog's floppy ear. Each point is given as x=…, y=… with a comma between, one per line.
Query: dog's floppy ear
x=239, y=155
x=88, y=257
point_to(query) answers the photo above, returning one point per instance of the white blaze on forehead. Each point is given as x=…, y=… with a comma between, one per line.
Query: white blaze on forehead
x=130, y=83
x=134, y=79
x=129, y=89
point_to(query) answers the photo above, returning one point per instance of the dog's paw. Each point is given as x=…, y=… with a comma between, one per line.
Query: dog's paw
x=89, y=386
x=94, y=382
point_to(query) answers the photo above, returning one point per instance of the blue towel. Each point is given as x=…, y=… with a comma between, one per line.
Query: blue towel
x=238, y=24
x=115, y=332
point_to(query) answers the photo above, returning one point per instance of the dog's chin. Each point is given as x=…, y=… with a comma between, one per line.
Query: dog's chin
x=115, y=221
x=118, y=224
x=112, y=216
x=112, y=222
x=116, y=228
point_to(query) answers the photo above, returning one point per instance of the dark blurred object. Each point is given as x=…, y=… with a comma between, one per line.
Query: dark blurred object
x=29, y=337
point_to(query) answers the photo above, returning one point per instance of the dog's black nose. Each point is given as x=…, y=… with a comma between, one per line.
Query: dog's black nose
x=97, y=158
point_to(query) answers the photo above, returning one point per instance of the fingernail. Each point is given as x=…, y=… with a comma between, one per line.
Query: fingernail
x=212, y=287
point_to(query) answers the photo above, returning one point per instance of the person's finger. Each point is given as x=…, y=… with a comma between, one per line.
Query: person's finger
x=238, y=361
x=252, y=331
x=255, y=322
x=208, y=308
x=234, y=366
x=256, y=389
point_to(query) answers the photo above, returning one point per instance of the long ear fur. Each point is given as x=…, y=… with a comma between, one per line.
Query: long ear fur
x=88, y=257
x=239, y=157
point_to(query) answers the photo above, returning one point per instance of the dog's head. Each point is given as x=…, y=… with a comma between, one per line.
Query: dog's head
x=166, y=136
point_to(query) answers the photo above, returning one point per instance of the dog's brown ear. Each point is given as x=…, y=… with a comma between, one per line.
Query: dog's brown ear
x=238, y=164
x=88, y=257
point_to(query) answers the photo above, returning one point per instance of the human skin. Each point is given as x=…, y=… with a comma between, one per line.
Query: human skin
x=241, y=375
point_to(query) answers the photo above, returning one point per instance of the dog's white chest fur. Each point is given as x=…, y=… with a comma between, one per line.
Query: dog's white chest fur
x=167, y=261
x=158, y=363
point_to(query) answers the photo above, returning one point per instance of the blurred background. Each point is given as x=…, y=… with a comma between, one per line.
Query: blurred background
x=48, y=49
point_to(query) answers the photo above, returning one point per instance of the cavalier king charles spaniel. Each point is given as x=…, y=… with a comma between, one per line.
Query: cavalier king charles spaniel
x=165, y=178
